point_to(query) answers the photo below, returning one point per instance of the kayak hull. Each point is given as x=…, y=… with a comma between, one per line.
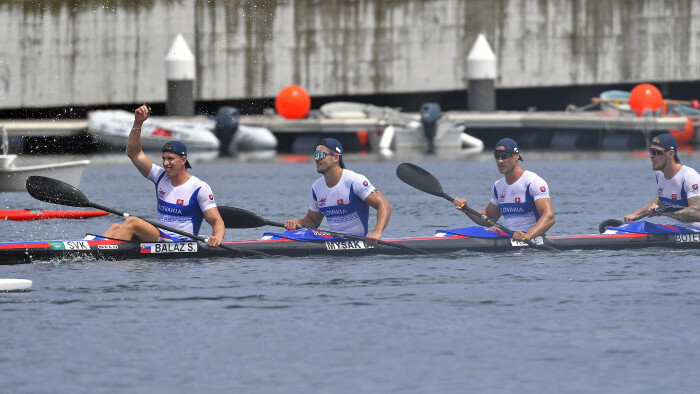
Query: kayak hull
x=108, y=249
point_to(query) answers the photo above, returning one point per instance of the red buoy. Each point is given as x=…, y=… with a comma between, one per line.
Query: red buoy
x=645, y=97
x=293, y=102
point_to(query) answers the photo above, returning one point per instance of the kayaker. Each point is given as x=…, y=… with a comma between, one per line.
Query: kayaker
x=677, y=185
x=183, y=199
x=521, y=196
x=343, y=197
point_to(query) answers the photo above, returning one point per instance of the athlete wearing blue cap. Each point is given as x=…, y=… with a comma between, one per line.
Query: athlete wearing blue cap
x=521, y=196
x=677, y=185
x=343, y=197
x=183, y=199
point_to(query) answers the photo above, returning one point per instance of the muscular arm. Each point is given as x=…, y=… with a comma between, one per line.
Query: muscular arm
x=546, y=220
x=217, y=224
x=649, y=207
x=491, y=211
x=311, y=220
x=377, y=201
x=691, y=213
x=133, y=143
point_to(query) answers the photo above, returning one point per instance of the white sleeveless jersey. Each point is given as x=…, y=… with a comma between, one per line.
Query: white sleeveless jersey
x=344, y=204
x=517, y=201
x=676, y=191
x=180, y=207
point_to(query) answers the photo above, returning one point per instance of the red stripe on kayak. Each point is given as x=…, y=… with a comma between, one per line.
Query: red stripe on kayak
x=25, y=245
x=631, y=235
x=28, y=214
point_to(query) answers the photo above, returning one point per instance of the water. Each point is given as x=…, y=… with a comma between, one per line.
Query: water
x=620, y=321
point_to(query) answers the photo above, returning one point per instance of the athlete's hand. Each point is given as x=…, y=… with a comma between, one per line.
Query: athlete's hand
x=214, y=241
x=459, y=202
x=628, y=218
x=520, y=236
x=142, y=113
x=293, y=224
x=652, y=210
x=372, y=238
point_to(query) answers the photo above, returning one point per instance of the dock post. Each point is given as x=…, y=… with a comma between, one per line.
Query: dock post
x=181, y=74
x=481, y=76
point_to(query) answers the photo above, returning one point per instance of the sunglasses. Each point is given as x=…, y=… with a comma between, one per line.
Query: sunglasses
x=656, y=152
x=501, y=155
x=319, y=154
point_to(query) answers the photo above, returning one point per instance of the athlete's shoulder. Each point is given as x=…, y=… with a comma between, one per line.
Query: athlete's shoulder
x=690, y=172
x=352, y=176
x=318, y=183
x=532, y=176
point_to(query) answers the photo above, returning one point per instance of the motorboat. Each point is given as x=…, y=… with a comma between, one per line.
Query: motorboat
x=112, y=128
x=13, y=177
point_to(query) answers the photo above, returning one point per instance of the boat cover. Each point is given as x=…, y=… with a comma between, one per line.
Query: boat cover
x=644, y=227
x=473, y=231
x=304, y=235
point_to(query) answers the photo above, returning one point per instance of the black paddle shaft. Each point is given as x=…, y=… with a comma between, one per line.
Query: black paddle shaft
x=58, y=192
x=240, y=218
x=422, y=180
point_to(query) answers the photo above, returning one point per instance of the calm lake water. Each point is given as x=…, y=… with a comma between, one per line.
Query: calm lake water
x=612, y=321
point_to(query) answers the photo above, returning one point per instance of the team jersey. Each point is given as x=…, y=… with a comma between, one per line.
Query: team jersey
x=344, y=204
x=180, y=207
x=676, y=191
x=517, y=201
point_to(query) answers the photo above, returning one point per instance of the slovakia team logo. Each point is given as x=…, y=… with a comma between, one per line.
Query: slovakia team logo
x=322, y=202
x=145, y=249
x=211, y=197
x=180, y=202
x=543, y=189
x=695, y=186
x=674, y=197
x=161, y=192
x=365, y=183
x=517, y=200
x=339, y=202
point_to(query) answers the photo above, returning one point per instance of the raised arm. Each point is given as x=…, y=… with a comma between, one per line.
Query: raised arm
x=133, y=144
x=377, y=201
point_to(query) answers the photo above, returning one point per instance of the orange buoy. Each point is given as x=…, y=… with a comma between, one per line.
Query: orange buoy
x=684, y=136
x=293, y=102
x=645, y=97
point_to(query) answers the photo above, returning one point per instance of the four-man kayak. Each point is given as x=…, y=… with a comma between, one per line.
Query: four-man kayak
x=110, y=249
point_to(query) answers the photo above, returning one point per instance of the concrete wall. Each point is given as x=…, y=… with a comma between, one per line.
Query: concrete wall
x=64, y=53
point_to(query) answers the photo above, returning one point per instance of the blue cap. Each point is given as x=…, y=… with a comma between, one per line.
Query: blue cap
x=510, y=147
x=668, y=142
x=335, y=146
x=177, y=148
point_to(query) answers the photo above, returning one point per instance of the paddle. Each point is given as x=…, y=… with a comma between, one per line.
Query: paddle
x=426, y=182
x=616, y=223
x=58, y=192
x=240, y=218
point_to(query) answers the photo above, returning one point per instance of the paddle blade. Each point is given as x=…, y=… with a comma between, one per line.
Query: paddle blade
x=608, y=223
x=419, y=178
x=240, y=218
x=56, y=192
